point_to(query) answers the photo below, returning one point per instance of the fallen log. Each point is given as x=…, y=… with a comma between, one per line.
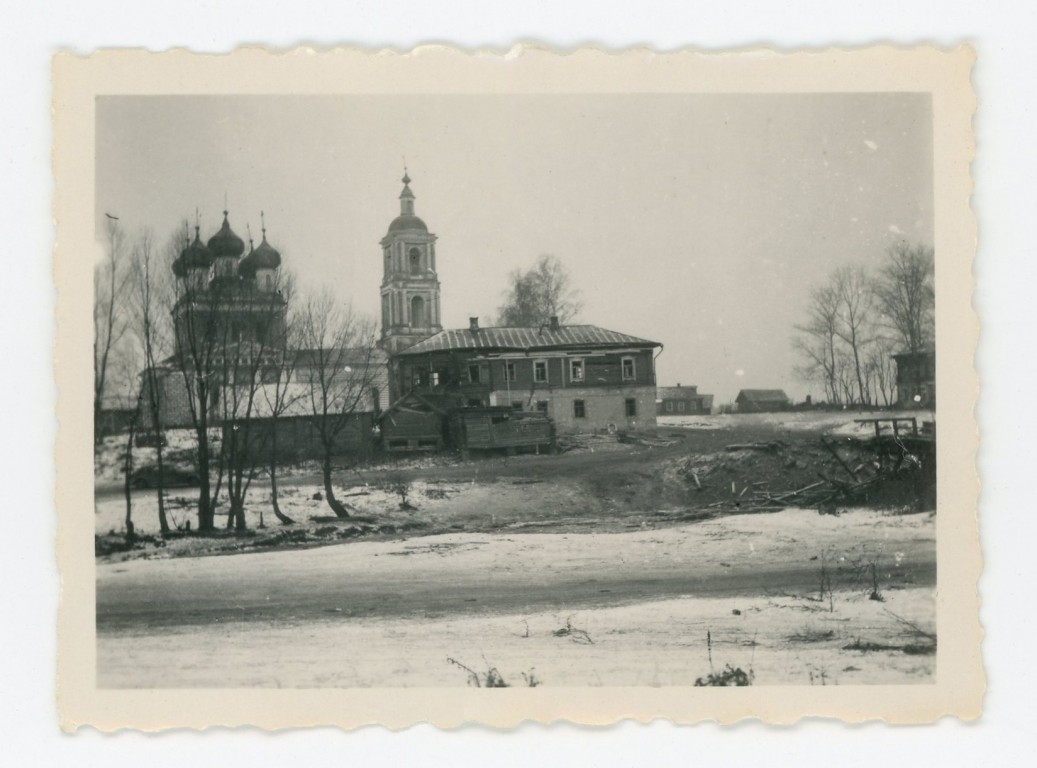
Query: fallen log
x=774, y=445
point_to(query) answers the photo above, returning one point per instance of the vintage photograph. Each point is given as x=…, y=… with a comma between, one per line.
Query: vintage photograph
x=515, y=390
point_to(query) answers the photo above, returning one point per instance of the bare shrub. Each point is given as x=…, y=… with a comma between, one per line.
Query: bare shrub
x=492, y=678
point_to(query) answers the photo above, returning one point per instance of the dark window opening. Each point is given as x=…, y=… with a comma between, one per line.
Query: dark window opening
x=542, y=406
x=509, y=371
x=473, y=374
x=576, y=370
x=631, y=406
x=415, y=261
x=628, y=369
x=516, y=405
x=540, y=371
x=579, y=409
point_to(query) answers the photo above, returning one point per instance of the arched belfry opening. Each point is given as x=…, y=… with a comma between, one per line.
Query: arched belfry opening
x=417, y=312
x=414, y=257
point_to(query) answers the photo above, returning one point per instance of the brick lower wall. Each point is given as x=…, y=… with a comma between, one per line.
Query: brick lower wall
x=602, y=405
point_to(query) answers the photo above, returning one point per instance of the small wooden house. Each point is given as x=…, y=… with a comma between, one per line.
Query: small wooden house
x=681, y=401
x=762, y=401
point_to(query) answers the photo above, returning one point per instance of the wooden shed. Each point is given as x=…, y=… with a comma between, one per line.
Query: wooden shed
x=500, y=428
x=412, y=423
x=762, y=400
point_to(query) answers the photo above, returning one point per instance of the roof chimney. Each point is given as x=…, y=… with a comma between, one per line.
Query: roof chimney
x=473, y=324
x=555, y=326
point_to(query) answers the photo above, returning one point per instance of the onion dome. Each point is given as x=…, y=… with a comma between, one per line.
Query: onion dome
x=263, y=257
x=225, y=242
x=194, y=256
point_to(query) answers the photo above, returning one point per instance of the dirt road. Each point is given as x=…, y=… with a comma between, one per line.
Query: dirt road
x=470, y=573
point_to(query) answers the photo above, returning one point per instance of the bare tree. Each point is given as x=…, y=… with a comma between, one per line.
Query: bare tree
x=817, y=341
x=150, y=321
x=280, y=393
x=340, y=369
x=537, y=295
x=251, y=352
x=197, y=344
x=110, y=279
x=905, y=292
x=881, y=370
x=856, y=301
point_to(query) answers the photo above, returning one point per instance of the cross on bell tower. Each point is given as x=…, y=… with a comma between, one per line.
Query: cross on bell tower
x=410, y=287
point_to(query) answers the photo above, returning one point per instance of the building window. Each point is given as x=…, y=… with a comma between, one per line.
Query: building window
x=669, y=406
x=435, y=378
x=474, y=403
x=415, y=261
x=542, y=406
x=509, y=371
x=629, y=370
x=473, y=374
x=680, y=406
x=579, y=409
x=576, y=370
x=540, y=371
x=516, y=405
x=631, y=407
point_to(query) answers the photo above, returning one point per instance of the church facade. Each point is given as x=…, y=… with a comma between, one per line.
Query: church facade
x=584, y=377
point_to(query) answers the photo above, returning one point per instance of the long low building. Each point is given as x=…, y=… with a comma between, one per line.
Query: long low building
x=585, y=378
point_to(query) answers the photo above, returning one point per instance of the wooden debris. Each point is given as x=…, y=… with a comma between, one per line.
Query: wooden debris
x=773, y=445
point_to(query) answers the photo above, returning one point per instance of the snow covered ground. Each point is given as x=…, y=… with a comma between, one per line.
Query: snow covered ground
x=837, y=422
x=391, y=613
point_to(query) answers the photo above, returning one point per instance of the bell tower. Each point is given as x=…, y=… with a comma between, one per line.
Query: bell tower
x=410, y=287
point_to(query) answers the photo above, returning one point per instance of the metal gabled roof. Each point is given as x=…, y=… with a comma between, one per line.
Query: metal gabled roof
x=506, y=338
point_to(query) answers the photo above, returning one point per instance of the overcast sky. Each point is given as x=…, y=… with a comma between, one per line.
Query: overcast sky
x=696, y=221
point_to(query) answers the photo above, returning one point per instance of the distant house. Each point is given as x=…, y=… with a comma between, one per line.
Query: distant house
x=679, y=400
x=762, y=400
x=117, y=413
x=916, y=379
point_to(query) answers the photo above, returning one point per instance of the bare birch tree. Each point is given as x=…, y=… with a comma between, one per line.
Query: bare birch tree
x=856, y=302
x=905, y=292
x=195, y=309
x=110, y=282
x=150, y=315
x=817, y=341
x=341, y=350
x=280, y=393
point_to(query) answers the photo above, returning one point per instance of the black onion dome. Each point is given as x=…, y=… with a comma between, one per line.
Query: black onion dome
x=225, y=242
x=405, y=222
x=263, y=257
x=194, y=255
x=266, y=256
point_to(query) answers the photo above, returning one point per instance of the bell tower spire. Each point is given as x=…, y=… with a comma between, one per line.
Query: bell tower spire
x=410, y=286
x=406, y=196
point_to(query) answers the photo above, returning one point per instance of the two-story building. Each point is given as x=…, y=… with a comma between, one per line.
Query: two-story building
x=585, y=378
